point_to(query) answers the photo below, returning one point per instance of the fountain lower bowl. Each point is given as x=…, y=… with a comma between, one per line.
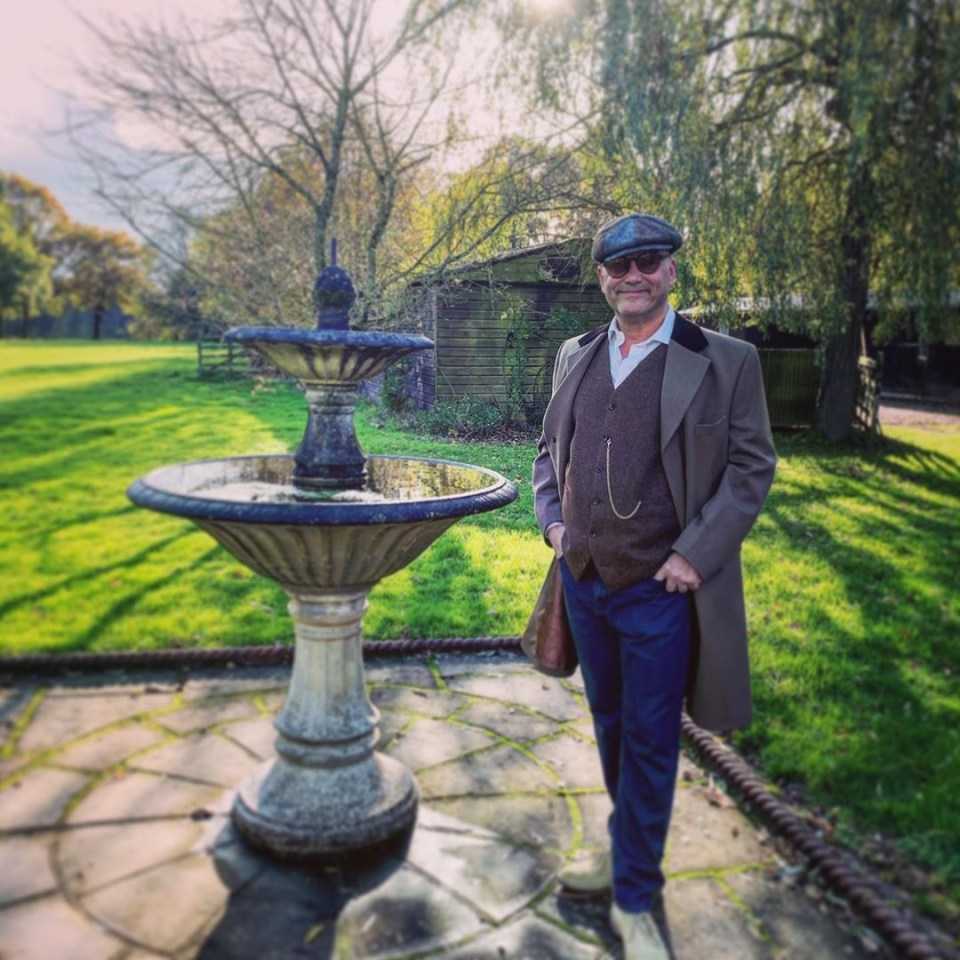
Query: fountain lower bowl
x=323, y=541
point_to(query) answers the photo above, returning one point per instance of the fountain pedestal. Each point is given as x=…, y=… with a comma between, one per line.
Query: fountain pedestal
x=329, y=456
x=327, y=792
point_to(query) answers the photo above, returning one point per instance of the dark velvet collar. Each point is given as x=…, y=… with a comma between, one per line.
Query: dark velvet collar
x=687, y=334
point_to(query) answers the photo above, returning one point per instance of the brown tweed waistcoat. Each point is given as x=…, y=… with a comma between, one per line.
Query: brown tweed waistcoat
x=619, y=428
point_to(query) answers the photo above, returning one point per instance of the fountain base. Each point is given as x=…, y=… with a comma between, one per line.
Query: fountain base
x=328, y=792
x=295, y=813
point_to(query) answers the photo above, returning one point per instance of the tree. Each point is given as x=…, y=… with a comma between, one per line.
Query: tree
x=35, y=211
x=98, y=269
x=812, y=150
x=520, y=192
x=25, y=273
x=171, y=308
x=325, y=109
x=30, y=218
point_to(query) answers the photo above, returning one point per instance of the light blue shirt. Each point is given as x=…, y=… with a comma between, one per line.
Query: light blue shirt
x=622, y=367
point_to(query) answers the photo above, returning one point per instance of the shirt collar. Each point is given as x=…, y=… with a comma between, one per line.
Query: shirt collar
x=662, y=334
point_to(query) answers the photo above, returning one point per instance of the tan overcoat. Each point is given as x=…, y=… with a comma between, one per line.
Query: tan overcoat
x=719, y=460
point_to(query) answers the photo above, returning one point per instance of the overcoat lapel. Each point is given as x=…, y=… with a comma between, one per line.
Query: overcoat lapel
x=682, y=374
x=560, y=409
x=684, y=370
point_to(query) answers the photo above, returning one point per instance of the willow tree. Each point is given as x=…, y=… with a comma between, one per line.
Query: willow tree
x=854, y=110
x=810, y=150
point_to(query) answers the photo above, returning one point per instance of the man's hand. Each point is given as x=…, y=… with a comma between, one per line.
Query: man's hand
x=555, y=536
x=679, y=574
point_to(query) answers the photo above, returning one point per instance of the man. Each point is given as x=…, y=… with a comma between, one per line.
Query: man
x=655, y=460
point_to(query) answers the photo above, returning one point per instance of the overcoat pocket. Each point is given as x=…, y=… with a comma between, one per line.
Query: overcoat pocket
x=712, y=428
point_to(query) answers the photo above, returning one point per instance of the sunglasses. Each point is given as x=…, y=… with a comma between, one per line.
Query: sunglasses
x=646, y=263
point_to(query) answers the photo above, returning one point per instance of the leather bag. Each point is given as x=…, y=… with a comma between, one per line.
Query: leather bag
x=547, y=641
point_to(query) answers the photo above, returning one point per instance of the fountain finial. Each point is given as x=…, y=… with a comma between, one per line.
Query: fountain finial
x=334, y=295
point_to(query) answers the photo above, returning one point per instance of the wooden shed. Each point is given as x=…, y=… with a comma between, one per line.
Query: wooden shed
x=497, y=325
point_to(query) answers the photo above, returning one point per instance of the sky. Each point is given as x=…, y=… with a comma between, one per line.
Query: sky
x=40, y=43
x=37, y=44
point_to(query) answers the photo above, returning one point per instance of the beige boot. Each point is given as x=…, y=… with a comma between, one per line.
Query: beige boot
x=592, y=875
x=639, y=933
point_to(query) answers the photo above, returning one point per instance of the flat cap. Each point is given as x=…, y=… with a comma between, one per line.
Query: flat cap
x=634, y=233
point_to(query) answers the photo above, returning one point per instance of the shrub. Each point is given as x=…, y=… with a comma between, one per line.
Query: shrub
x=463, y=418
x=394, y=394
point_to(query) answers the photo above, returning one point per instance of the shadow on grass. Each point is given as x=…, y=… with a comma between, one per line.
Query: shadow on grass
x=866, y=716
x=125, y=605
x=926, y=467
x=78, y=580
x=446, y=591
x=34, y=532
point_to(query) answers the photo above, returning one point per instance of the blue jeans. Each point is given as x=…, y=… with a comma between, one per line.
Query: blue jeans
x=634, y=645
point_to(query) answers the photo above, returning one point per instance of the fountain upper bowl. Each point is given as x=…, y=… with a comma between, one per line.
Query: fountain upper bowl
x=331, y=357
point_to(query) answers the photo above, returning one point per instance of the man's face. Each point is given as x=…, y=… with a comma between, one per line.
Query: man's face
x=639, y=299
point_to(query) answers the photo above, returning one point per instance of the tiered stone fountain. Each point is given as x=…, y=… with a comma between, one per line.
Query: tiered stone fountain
x=326, y=524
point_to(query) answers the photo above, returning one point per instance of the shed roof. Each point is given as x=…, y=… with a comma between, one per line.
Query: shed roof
x=560, y=261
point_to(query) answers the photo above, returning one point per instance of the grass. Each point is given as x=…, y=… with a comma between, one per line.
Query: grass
x=852, y=571
x=83, y=569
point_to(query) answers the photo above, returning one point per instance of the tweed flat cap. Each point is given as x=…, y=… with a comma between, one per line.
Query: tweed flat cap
x=634, y=233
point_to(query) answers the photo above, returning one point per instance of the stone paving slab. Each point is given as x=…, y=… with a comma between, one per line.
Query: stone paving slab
x=50, y=927
x=575, y=761
x=709, y=837
x=547, y=697
x=495, y=875
x=204, y=714
x=427, y=742
x=518, y=724
x=533, y=819
x=208, y=758
x=257, y=736
x=116, y=843
x=489, y=772
x=61, y=719
x=595, y=809
x=415, y=701
x=39, y=797
x=26, y=872
x=109, y=748
x=131, y=796
x=788, y=920
x=98, y=856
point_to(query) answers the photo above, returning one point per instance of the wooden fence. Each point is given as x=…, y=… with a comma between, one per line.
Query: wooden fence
x=868, y=396
x=477, y=363
x=216, y=357
x=791, y=378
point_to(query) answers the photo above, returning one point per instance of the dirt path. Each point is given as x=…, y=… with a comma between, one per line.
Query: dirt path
x=913, y=414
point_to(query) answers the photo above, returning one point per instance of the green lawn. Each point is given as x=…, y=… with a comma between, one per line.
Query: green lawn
x=852, y=571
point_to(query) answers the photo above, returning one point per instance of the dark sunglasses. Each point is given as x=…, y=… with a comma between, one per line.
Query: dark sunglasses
x=646, y=263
